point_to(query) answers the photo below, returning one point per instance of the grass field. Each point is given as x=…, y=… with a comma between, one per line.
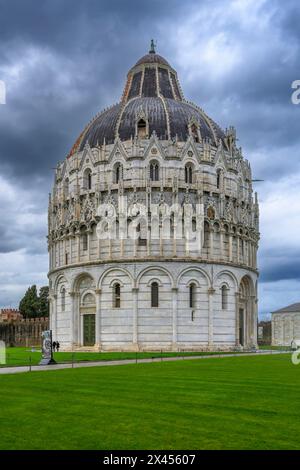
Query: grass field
x=229, y=403
x=23, y=356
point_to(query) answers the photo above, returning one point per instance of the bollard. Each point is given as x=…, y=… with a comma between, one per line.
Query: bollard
x=72, y=360
x=29, y=363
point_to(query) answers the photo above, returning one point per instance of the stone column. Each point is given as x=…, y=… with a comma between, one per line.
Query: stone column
x=78, y=248
x=161, y=242
x=210, y=292
x=230, y=246
x=148, y=240
x=89, y=244
x=211, y=244
x=77, y=319
x=253, y=331
x=72, y=295
x=249, y=252
x=99, y=248
x=174, y=310
x=174, y=240
x=237, y=320
x=70, y=250
x=98, y=319
x=222, y=251
x=248, y=321
x=64, y=242
x=53, y=304
x=238, y=248
x=135, y=291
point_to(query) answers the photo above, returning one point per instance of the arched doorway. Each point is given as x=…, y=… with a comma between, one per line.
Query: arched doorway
x=246, y=313
x=84, y=311
x=88, y=315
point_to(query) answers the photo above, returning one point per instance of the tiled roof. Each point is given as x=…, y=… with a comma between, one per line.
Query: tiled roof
x=289, y=309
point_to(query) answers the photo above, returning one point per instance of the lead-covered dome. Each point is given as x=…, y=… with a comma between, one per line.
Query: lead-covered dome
x=153, y=94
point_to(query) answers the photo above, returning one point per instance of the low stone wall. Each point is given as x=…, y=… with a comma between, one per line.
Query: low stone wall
x=23, y=333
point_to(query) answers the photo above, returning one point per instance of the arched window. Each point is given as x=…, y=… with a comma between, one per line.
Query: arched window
x=219, y=174
x=142, y=129
x=117, y=296
x=84, y=242
x=206, y=235
x=192, y=289
x=154, y=171
x=188, y=174
x=66, y=187
x=154, y=294
x=224, y=291
x=118, y=172
x=141, y=231
x=63, y=299
x=194, y=131
x=87, y=179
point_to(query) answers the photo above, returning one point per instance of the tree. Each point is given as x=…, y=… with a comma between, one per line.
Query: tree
x=29, y=305
x=44, y=302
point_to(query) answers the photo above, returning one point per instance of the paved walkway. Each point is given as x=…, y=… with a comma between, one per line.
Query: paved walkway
x=76, y=365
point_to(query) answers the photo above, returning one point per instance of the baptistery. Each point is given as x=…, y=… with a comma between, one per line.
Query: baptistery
x=153, y=227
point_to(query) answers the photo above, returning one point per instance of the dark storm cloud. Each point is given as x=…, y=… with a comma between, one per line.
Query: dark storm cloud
x=284, y=267
x=65, y=60
x=93, y=43
x=83, y=41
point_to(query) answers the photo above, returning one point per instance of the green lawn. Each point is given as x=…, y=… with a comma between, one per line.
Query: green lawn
x=22, y=356
x=229, y=403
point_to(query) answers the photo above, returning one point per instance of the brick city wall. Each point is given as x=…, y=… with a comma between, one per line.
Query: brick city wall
x=26, y=332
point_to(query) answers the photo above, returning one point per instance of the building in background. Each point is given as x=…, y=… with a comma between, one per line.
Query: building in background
x=154, y=292
x=10, y=315
x=286, y=325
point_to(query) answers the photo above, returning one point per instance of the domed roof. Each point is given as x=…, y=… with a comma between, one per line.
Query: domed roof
x=152, y=92
x=152, y=58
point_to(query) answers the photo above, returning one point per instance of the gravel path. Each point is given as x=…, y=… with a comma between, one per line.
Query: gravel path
x=22, y=369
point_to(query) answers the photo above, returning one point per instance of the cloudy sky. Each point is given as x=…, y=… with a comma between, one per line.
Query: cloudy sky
x=65, y=60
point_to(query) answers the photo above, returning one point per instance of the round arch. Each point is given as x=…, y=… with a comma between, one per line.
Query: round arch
x=76, y=280
x=159, y=268
x=115, y=268
x=228, y=273
x=246, y=285
x=60, y=278
x=186, y=270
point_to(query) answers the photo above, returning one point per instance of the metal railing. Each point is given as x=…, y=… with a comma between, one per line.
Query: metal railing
x=33, y=357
